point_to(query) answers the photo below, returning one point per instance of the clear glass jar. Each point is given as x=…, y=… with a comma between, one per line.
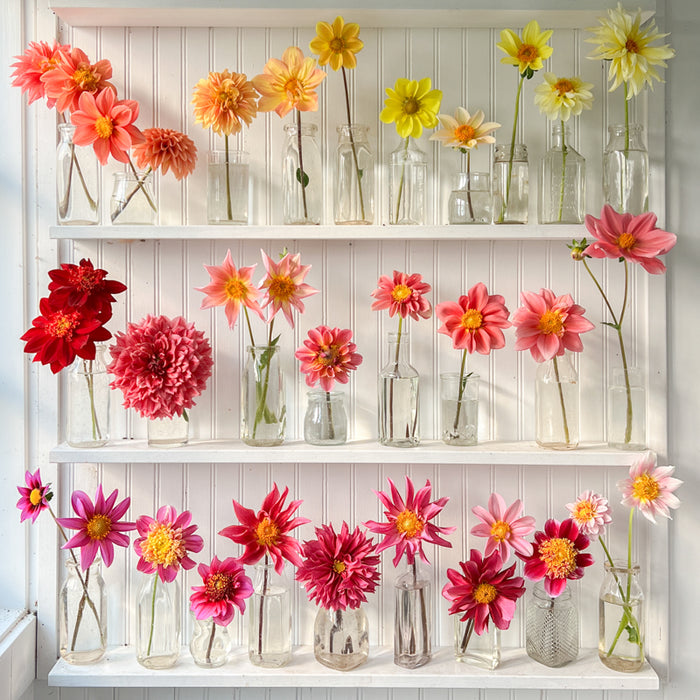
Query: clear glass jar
x=354, y=176
x=82, y=614
x=412, y=615
x=408, y=173
x=510, y=184
x=228, y=185
x=627, y=403
x=482, y=650
x=157, y=623
x=341, y=638
x=459, y=408
x=263, y=408
x=88, y=401
x=77, y=177
x=169, y=432
x=211, y=644
x=399, y=424
x=325, y=422
x=626, y=170
x=557, y=404
x=302, y=181
x=133, y=201
x=562, y=186
x=470, y=199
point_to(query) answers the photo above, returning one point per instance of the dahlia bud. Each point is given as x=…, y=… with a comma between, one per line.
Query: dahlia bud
x=577, y=249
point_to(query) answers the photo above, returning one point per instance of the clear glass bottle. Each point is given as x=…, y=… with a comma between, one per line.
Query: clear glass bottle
x=157, y=623
x=482, y=650
x=263, y=408
x=82, y=614
x=228, y=185
x=470, y=199
x=621, y=618
x=510, y=194
x=354, y=176
x=341, y=638
x=133, y=201
x=399, y=424
x=325, y=422
x=408, y=174
x=302, y=181
x=211, y=644
x=169, y=432
x=626, y=170
x=557, y=404
x=627, y=403
x=77, y=177
x=562, y=186
x=459, y=408
x=412, y=615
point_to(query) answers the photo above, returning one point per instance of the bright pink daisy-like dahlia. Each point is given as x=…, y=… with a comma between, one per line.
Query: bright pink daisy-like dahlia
x=165, y=543
x=339, y=569
x=160, y=365
x=38, y=58
x=265, y=533
x=650, y=488
x=481, y=591
x=547, y=325
x=591, y=513
x=557, y=556
x=225, y=588
x=98, y=526
x=504, y=529
x=84, y=286
x=475, y=321
x=407, y=524
x=633, y=238
x=328, y=356
x=34, y=497
x=402, y=294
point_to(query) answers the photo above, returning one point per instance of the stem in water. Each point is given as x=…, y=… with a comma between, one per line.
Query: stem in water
x=352, y=144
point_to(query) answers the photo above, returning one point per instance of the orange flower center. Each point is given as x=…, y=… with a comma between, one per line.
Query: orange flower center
x=563, y=86
x=500, y=530
x=235, y=289
x=282, y=288
x=626, y=241
x=559, y=554
x=336, y=45
x=584, y=511
x=47, y=64
x=645, y=488
x=485, y=593
x=35, y=497
x=400, y=293
x=328, y=355
x=62, y=325
x=104, y=127
x=294, y=89
x=85, y=78
x=228, y=95
x=163, y=545
x=218, y=587
x=551, y=322
x=98, y=527
x=410, y=105
x=472, y=319
x=409, y=524
x=464, y=133
x=338, y=567
x=267, y=532
x=527, y=53
x=631, y=46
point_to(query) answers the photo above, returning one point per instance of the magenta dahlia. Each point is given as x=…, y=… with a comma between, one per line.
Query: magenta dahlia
x=225, y=588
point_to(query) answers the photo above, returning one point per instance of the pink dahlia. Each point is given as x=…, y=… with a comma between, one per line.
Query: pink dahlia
x=328, y=355
x=160, y=365
x=404, y=294
x=84, y=286
x=650, y=488
x=407, y=524
x=34, y=497
x=339, y=569
x=591, y=513
x=633, y=238
x=38, y=58
x=504, y=529
x=225, y=588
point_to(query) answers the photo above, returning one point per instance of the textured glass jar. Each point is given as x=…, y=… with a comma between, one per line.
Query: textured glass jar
x=562, y=186
x=412, y=615
x=341, y=638
x=302, y=182
x=557, y=404
x=551, y=628
x=627, y=415
x=263, y=408
x=510, y=185
x=482, y=650
x=325, y=422
x=626, y=170
x=621, y=619
x=354, y=176
x=408, y=173
x=399, y=424
x=169, y=432
x=157, y=623
x=470, y=199
x=228, y=184
x=459, y=408
x=77, y=175
x=82, y=617
x=211, y=644
x=133, y=201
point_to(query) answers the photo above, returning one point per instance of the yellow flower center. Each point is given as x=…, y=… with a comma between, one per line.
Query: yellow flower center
x=527, y=53
x=294, y=89
x=328, y=355
x=626, y=241
x=551, y=322
x=218, y=587
x=631, y=46
x=228, y=95
x=338, y=567
x=98, y=527
x=485, y=593
x=409, y=524
x=163, y=545
x=63, y=325
x=472, y=319
x=645, y=488
x=282, y=289
x=410, y=105
x=563, y=86
x=267, y=532
x=464, y=133
x=584, y=511
x=85, y=79
x=559, y=554
x=235, y=289
x=400, y=292
x=336, y=45
x=500, y=530
x=35, y=497
x=104, y=127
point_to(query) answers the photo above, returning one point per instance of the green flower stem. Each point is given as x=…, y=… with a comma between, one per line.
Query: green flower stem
x=211, y=640
x=63, y=204
x=391, y=383
x=262, y=404
x=469, y=185
x=398, y=198
x=229, y=208
x=352, y=143
x=90, y=379
x=512, y=149
x=301, y=165
x=329, y=409
x=455, y=427
x=153, y=614
x=564, y=153
x=140, y=185
x=561, y=401
x=250, y=328
x=263, y=593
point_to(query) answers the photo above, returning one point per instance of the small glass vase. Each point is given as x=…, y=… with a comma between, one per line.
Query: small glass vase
x=269, y=618
x=626, y=170
x=408, y=173
x=551, y=627
x=470, y=199
x=169, y=432
x=82, y=614
x=399, y=424
x=510, y=184
x=412, y=615
x=326, y=422
x=562, y=186
x=228, y=182
x=621, y=619
x=459, y=408
x=627, y=420
x=557, y=404
x=77, y=175
x=302, y=182
x=88, y=401
x=341, y=638
x=211, y=644
x=482, y=650
x=133, y=202
x=157, y=623
x=263, y=408
x=354, y=176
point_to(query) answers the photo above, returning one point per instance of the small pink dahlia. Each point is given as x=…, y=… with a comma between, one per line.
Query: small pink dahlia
x=402, y=294
x=504, y=529
x=225, y=588
x=34, y=497
x=327, y=356
x=591, y=512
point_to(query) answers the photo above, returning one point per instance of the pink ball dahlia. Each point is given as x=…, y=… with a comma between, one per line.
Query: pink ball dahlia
x=225, y=588
x=328, y=356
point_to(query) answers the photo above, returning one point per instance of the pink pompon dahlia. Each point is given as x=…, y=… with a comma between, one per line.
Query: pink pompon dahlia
x=38, y=58
x=632, y=238
x=225, y=588
x=591, y=513
x=166, y=149
x=475, y=321
x=481, y=591
x=34, y=497
x=547, y=325
x=650, y=488
x=328, y=355
x=84, y=286
x=504, y=529
x=407, y=524
x=339, y=569
x=265, y=533
x=98, y=526
x=160, y=365
x=402, y=294
x=557, y=556
x=165, y=543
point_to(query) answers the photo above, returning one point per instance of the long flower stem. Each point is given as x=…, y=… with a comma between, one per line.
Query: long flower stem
x=261, y=406
x=229, y=208
x=153, y=614
x=391, y=382
x=567, y=439
x=512, y=149
x=469, y=185
x=401, y=181
x=352, y=144
x=79, y=617
x=301, y=165
x=623, y=179
x=329, y=409
x=423, y=611
x=467, y=635
x=263, y=593
x=460, y=393
x=564, y=153
x=211, y=641
x=65, y=201
x=90, y=379
x=250, y=328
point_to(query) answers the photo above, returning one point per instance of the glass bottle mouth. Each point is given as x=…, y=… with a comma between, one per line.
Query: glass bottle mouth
x=542, y=595
x=306, y=129
x=502, y=152
x=620, y=567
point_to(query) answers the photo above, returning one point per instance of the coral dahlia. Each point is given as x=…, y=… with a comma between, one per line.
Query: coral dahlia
x=38, y=58
x=327, y=356
x=225, y=588
x=402, y=294
x=166, y=149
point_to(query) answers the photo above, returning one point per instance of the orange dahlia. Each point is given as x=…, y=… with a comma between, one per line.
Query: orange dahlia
x=166, y=149
x=223, y=101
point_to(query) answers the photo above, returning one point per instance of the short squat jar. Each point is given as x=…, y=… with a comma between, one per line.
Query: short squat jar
x=325, y=422
x=133, y=202
x=551, y=628
x=470, y=199
x=228, y=184
x=341, y=638
x=481, y=650
x=354, y=177
x=510, y=184
x=169, y=432
x=459, y=408
x=211, y=644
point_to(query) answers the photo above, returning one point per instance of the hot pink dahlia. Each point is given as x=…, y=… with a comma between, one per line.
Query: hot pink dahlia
x=34, y=497
x=403, y=295
x=503, y=527
x=160, y=365
x=591, y=513
x=225, y=588
x=84, y=286
x=38, y=58
x=328, y=356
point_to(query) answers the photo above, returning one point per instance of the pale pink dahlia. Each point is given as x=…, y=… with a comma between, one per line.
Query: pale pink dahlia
x=328, y=356
x=591, y=512
x=402, y=294
x=225, y=588
x=504, y=529
x=34, y=497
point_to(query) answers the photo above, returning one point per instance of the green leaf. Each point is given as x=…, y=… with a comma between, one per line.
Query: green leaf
x=612, y=325
x=360, y=174
x=632, y=634
x=303, y=178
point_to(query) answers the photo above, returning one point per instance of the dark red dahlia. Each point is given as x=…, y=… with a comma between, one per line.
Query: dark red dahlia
x=83, y=286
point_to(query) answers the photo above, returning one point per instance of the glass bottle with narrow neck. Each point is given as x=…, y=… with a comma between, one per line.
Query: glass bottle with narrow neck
x=407, y=184
x=77, y=175
x=302, y=180
x=354, y=176
x=626, y=170
x=412, y=615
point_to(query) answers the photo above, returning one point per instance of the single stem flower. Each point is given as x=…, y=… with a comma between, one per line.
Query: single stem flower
x=34, y=497
x=38, y=58
x=503, y=527
x=591, y=513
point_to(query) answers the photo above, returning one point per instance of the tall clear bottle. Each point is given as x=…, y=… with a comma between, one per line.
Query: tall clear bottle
x=510, y=184
x=626, y=170
x=302, y=183
x=77, y=175
x=412, y=615
x=408, y=173
x=354, y=176
x=557, y=404
x=157, y=623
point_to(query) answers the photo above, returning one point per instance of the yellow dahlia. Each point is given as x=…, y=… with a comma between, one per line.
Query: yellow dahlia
x=412, y=105
x=336, y=44
x=464, y=131
x=560, y=98
x=526, y=53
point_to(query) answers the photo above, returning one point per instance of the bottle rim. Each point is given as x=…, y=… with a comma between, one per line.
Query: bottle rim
x=539, y=593
x=306, y=129
x=620, y=567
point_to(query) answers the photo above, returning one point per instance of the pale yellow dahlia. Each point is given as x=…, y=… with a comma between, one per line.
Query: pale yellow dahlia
x=412, y=105
x=527, y=53
x=560, y=98
x=464, y=131
x=336, y=44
